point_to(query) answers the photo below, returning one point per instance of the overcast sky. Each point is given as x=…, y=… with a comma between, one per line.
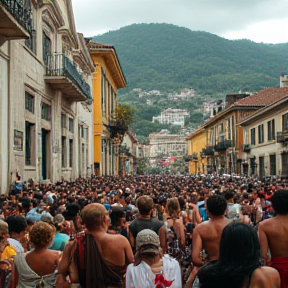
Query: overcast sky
x=258, y=20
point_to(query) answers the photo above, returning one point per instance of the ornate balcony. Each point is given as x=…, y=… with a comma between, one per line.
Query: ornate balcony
x=208, y=151
x=63, y=75
x=282, y=136
x=117, y=129
x=223, y=145
x=15, y=20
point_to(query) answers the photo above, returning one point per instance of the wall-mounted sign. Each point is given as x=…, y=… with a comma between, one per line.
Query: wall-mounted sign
x=18, y=140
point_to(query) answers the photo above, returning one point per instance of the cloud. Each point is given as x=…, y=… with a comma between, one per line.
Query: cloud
x=221, y=17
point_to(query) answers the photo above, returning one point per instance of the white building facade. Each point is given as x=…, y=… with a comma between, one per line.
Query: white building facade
x=172, y=116
x=265, y=138
x=45, y=94
x=167, y=145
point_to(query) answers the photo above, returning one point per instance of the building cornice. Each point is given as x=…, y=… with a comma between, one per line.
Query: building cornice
x=108, y=53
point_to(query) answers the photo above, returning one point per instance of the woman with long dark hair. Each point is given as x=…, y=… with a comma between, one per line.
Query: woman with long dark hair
x=239, y=264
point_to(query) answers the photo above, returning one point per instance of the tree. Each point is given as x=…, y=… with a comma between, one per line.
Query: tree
x=141, y=166
x=124, y=118
x=125, y=115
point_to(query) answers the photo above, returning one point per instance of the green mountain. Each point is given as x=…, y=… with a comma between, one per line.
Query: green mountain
x=167, y=57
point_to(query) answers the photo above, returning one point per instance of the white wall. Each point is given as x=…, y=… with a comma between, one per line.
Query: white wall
x=4, y=93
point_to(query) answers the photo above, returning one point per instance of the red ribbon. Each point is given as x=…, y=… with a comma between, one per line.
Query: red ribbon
x=160, y=281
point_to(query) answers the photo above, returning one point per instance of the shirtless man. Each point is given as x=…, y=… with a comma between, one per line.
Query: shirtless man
x=207, y=235
x=273, y=235
x=111, y=252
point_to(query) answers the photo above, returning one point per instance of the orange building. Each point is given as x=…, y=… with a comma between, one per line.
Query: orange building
x=108, y=78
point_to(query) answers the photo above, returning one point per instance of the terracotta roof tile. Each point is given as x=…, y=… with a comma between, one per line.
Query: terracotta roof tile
x=263, y=97
x=94, y=45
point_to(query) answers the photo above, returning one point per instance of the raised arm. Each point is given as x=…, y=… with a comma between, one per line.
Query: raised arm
x=196, y=215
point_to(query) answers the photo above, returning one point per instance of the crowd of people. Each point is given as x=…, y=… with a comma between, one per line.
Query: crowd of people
x=145, y=231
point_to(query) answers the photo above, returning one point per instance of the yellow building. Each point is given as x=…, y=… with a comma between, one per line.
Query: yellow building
x=221, y=140
x=108, y=78
x=196, y=143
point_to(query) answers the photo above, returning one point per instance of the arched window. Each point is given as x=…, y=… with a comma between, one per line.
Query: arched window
x=46, y=46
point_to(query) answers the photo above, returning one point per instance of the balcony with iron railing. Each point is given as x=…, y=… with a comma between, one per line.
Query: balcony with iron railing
x=63, y=75
x=223, y=145
x=208, y=151
x=15, y=20
x=282, y=136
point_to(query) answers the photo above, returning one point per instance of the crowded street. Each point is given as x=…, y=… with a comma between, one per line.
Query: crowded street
x=48, y=220
x=143, y=144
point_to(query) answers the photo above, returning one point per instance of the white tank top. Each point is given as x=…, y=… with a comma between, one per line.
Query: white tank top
x=28, y=278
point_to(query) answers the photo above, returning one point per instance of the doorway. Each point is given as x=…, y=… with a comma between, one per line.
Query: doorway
x=45, y=152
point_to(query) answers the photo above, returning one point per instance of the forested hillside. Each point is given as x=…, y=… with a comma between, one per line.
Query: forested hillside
x=168, y=58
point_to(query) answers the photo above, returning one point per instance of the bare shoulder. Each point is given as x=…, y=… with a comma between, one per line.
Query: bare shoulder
x=56, y=254
x=179, y=221
x=266, y=223
x=265, y=277
x=202, y=228
x=227, y=221
x=202, y=225
x=117, y=238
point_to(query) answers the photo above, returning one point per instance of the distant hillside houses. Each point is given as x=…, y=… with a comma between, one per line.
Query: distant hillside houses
x=213, y=106
x=167, y=144
x=149, y=102
x=172, y=116
x=150, y=93
x=185, y=94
